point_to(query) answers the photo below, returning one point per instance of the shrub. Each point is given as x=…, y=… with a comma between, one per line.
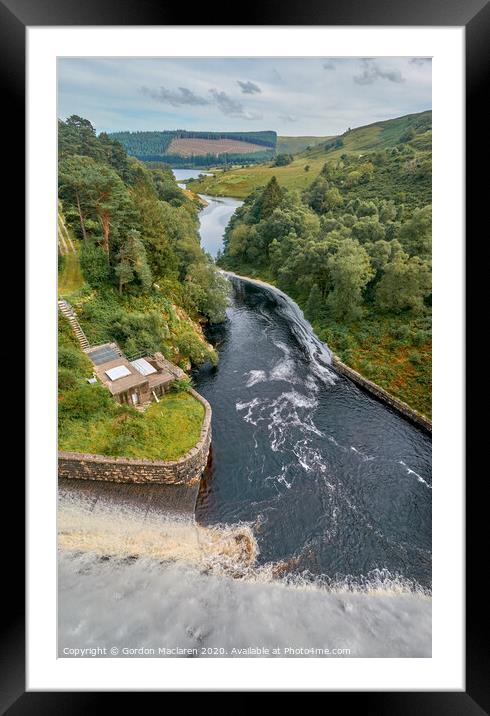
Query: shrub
x=415, y=358
x=71, y=357
x=182, y=385
x=94, y=264
x=282, y=160
x=85, y=401
x=421, y=337
x=66, y=379
x=401, y=332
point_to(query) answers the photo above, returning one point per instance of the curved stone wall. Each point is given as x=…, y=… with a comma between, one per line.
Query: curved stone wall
x=409, y=413
x=185, y=470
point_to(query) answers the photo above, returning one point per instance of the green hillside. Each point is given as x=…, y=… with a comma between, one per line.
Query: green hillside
x=294, y=145
x=394, y=173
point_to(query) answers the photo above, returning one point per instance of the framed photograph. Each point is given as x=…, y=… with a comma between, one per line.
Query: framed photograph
x=245, y=368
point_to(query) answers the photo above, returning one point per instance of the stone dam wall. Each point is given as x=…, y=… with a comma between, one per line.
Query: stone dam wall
x=186, y=470
x=399, y=406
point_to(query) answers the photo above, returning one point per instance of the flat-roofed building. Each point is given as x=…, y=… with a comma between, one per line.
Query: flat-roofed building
x=133, y=382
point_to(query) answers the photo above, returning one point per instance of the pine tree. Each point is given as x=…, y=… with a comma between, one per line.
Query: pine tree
x=314, y=306
x=132, y=263
x=271, y=198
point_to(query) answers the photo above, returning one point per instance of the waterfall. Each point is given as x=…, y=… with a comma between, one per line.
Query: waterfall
x=317, y=353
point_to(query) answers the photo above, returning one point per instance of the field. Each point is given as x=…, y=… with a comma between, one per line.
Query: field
x=190, y=147
x=240, y=182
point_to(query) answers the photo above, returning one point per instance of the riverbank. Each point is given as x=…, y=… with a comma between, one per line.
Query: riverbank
x=400, y=406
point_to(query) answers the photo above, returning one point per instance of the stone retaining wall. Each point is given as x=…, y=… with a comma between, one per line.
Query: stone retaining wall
x=185, y=470
x=409, y=413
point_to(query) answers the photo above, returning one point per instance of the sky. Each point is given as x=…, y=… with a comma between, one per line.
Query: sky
x=293, y=96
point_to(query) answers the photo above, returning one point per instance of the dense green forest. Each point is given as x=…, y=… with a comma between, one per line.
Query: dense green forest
x=137, y=274
x=138, y=246
x=354, y=249
x=153, y=146
x=201, y=161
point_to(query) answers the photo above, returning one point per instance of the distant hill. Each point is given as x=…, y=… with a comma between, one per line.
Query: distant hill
x=378, y=135
x=393, y=174
x=181, y=147
x=294, y=145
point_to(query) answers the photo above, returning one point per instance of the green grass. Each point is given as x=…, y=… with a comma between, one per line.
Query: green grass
x=240, y=182
x=70, y=278
x=165, y=431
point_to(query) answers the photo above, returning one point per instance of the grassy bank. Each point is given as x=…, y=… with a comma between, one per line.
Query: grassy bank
x=70, y=278
x=394, y=354
x=240, y=182
x=90, y=421
x=165, y=431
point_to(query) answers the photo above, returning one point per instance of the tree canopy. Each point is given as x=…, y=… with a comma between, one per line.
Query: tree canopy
x=338, y=258
x=135, y=225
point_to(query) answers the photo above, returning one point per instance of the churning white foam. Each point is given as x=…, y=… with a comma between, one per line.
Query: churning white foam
x=131, y=581
x=145, y=604
x=256, y=376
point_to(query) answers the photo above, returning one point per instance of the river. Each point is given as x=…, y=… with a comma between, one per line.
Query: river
x=214, y=218
x=336, y=485
x=329, y=488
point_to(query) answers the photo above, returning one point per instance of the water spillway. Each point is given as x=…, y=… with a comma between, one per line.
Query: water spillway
x=336, y=486
x=317, y=352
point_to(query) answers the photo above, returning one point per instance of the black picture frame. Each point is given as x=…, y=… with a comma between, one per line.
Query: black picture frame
x=474, y=15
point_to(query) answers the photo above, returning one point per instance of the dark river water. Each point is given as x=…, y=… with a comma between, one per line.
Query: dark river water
x=334, y=483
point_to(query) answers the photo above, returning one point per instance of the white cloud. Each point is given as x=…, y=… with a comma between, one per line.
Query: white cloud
x=204, y=94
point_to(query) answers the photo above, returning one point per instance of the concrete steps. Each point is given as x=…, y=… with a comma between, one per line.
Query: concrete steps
x=68, y=312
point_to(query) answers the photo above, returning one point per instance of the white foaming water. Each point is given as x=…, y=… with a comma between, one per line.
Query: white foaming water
x=129, y=531
x=412, y=472
x=129, y=581
x=256, y=376
x=283, y=370
x=146, y=604
x=318, y=353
